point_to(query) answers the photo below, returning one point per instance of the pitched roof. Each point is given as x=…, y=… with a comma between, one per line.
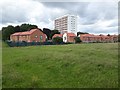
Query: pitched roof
x=98, y=36
x=16, y=33
x=114, y=35
x=57, y=35
x=26, y=32
x=71, y=34
x=88, y=35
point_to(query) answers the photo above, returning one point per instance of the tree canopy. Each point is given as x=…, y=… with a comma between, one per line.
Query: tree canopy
x=81, y=33
x=47, y=32
x=7, y=31
x=26, y=27
x=54, y=32
x=119, y=38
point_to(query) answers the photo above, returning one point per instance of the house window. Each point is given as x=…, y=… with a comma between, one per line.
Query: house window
x=36, y=36
x=64, y=38
x=23, y=36
x=41, y=37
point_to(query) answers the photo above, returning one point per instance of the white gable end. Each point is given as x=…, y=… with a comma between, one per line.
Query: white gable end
x=65, y=37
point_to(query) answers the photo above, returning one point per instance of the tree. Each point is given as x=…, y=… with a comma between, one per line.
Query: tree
x=7, y=31
x=54, y=32
x=57, y=40
x=119, y=38
x=26, y=27
x=81, y=33
x=77, y=40
x=47, y=32
x=17, y=28
x=108, y=35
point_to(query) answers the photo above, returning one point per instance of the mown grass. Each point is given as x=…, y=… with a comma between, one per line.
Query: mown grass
x=61, y=66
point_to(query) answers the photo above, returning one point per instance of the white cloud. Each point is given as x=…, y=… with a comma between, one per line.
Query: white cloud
x=100, y=27
x=93, y=17
x=28, y=11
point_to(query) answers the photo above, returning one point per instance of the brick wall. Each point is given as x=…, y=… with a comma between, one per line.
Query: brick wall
x=38, y=36
x=96, y=38
x=71, y=39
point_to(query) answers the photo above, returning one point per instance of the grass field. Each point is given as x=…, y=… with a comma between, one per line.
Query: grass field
x=92, y=65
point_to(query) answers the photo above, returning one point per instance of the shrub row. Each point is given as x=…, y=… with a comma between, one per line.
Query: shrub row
x=23, y=43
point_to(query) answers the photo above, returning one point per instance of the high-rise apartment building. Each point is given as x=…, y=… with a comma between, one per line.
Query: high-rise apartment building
x=67, y=24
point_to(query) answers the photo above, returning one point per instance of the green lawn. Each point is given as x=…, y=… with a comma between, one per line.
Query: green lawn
x=61, y=66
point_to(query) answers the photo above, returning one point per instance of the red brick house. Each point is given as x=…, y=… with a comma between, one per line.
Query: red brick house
x=34, y=35
x=69, y=37
x=98, y=38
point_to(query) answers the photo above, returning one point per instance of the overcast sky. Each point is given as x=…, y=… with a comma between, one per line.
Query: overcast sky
x=92, y=17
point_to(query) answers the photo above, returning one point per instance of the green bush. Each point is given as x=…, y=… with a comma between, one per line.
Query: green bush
x=119, y=38
x=77, y=40
x=68, y=43
x=57, y=40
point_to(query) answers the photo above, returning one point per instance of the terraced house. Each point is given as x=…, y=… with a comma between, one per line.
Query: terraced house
x=98, y=38
x=34, y=35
